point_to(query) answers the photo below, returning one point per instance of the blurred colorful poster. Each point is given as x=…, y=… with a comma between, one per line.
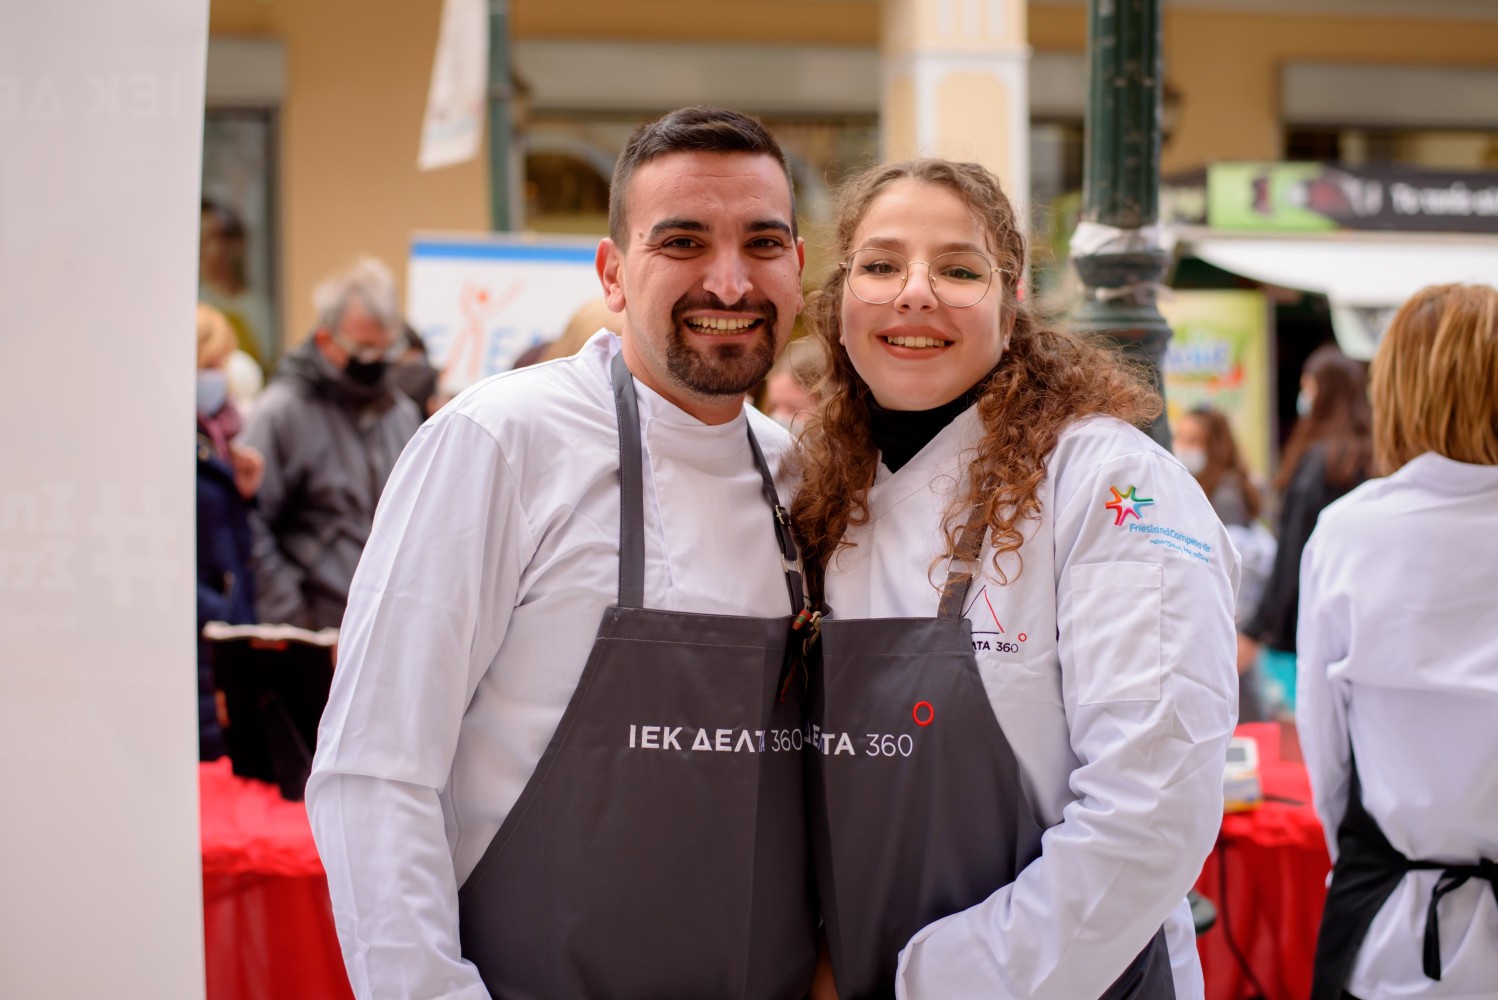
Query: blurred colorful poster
x=480, y=302
x=1219, y=357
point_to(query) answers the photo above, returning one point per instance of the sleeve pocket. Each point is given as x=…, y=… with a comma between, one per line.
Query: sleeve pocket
x=1115, y=631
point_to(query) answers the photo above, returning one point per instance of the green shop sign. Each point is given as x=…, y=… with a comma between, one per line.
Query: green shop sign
x=1318, y=197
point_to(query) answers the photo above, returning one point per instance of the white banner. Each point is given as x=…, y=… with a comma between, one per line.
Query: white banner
x=101, y=115
x=482, y=301
x=457, y=99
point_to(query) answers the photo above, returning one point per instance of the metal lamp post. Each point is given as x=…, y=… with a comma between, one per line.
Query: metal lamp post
x=501, y=96
x=1116, y=248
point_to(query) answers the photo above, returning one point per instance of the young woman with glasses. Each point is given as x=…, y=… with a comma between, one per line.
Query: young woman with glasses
x=1026, y=682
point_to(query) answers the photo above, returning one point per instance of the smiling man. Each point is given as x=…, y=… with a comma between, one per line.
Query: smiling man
x=703, y=258
x=555, y=762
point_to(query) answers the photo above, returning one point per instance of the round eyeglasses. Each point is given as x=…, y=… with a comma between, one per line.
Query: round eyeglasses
x=958, y=279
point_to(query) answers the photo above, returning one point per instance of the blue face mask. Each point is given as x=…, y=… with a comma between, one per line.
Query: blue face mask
x=1303, y=403
x=213, y=390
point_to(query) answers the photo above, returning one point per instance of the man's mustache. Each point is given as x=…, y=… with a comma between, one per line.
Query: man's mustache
x=764, y=308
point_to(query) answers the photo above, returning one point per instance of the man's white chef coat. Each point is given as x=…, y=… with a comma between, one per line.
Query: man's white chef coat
x=494, y=552
x=1397, y=660
x=1110, y=663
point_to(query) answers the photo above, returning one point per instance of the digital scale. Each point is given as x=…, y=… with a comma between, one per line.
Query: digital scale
x=1241, y=790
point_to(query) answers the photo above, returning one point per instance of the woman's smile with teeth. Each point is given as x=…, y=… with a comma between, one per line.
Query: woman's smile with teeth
x=719, y=325
x=915, y=341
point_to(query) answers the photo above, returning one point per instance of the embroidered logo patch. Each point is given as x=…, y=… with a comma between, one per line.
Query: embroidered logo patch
x=1125, y=504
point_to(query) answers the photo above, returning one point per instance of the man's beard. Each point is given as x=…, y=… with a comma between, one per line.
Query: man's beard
x=730, y=369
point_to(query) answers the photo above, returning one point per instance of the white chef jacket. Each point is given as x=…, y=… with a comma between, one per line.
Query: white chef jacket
x=1110, y=664
x=494, y=553
x=1397, y=659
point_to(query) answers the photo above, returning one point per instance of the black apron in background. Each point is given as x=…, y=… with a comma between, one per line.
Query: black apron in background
x=917, y=810
x=1367, y=872
x=627, y=871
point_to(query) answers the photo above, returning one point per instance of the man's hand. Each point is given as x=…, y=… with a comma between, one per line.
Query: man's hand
x=249, y=469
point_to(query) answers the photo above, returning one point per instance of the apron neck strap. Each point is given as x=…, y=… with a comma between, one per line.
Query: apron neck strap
x=960, y=576
x=631, y=490
x=632, y=502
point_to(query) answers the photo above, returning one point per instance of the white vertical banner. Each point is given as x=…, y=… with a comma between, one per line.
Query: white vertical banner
x=101, y=112
x=457, y=100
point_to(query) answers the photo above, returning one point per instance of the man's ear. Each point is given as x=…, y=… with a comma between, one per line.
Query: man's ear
x=801, y=270
x=608, y=263
x=322, y=338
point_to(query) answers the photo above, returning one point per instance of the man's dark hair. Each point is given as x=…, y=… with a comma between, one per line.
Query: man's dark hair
x=698, y=129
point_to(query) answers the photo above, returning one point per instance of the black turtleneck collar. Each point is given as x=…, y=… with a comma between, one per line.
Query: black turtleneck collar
x=901, y=434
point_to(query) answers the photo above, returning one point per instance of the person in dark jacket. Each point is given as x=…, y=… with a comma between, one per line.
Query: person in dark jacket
x=228, y=477
x=331, y=425
x=1330, y=451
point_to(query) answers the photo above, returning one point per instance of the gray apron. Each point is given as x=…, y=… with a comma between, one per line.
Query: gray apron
x=659, y=849
x=917, y=808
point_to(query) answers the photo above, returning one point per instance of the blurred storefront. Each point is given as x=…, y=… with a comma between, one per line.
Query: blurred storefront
x=1330, y=251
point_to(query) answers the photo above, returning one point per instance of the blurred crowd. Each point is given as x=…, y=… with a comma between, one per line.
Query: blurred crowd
x=290, y=472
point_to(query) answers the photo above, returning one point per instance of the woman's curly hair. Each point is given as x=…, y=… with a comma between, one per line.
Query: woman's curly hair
x=1046, y=379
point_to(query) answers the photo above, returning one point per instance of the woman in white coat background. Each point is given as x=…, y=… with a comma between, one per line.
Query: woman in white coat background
x=1027, y=680
x=1397, y=708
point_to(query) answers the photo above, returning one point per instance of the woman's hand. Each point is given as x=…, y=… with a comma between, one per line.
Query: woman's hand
x=249, y=470
x=1248, y=653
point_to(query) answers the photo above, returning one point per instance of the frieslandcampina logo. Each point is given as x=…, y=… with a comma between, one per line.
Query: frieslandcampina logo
x=1127, y=504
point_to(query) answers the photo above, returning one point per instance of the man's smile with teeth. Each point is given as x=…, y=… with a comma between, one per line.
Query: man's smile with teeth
x=717, y=324
x=915, y=341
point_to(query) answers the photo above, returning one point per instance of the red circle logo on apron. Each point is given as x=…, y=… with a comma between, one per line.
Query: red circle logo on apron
x=929, y=711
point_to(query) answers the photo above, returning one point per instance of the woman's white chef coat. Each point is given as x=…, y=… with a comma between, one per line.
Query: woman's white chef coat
x=1110, y=663
x=1397, y=660
x=494, y=553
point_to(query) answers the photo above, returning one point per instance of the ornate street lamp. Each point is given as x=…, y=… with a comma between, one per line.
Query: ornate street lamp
x=1116, y=248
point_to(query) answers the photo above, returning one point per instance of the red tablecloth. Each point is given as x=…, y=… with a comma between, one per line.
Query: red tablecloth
x=267, y=923
x=1267, y=877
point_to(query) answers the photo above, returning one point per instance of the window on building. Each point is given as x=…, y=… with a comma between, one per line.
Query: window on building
x=1432, y=149
x=238, y=238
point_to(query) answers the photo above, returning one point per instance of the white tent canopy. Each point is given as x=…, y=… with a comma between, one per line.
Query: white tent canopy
x=1365, y=275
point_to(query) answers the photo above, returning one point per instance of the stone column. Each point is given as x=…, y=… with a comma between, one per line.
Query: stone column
x=955, y=85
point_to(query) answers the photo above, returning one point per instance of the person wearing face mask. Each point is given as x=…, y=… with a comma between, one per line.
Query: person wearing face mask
x=331, y=425
x=1329, y=453
x=1026, y=683
x=228, y=479
x=1204, y=444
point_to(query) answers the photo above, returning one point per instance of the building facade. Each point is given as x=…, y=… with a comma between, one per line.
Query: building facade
x=315, y=106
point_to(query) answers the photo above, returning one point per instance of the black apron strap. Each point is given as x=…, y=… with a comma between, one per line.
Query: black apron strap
x=632, y=505
x=964, y=564
x=1452, y=877
x=790, y=556
x=631, y=490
